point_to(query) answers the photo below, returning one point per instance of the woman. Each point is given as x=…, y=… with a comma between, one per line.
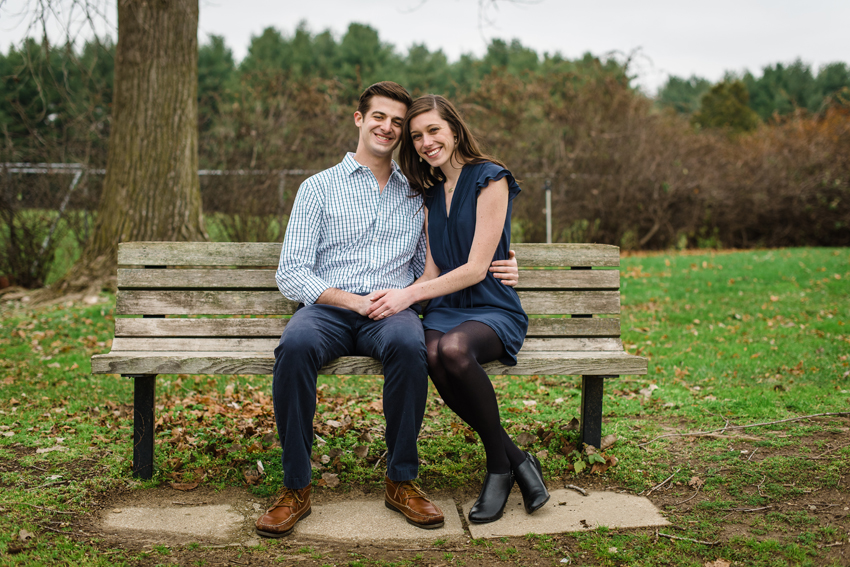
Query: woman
x=472, y=318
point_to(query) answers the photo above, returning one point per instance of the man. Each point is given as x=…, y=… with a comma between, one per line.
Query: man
x=354, y=229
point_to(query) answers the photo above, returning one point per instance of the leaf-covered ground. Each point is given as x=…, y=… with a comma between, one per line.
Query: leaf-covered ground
x=734, y=339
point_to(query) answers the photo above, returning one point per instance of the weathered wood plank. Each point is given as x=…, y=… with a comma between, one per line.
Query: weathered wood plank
x=273, y=327
x=609, y=327
x=216, y=278
x=189, y=278
x=213, y=302
x=268, y=328
x=142, y=302
x=570, y=302
x=268, y=254
x=559, y=255
x=562, y=363
x=182, y=344
x=199, y=253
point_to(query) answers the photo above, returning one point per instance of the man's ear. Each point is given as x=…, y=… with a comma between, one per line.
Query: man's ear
x=358, y=118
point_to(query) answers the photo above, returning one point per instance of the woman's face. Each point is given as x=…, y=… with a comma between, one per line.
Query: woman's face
x=432, y=138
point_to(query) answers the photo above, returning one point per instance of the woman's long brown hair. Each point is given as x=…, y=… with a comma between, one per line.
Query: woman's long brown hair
x=467, y=151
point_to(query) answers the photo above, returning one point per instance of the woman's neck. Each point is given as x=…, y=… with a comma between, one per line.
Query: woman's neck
x=451, y=170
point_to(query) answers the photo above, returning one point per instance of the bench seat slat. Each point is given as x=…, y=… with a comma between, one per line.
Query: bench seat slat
x=216, y=278
x=273, y=327
x=213, y=302
x=268, y=254
x=544, y=363
x=167, y=345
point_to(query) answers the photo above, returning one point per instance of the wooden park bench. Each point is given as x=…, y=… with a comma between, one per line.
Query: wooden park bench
x=175, y=286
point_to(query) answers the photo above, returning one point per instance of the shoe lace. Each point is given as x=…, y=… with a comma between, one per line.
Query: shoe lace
x=410, y=489
x=288, y=498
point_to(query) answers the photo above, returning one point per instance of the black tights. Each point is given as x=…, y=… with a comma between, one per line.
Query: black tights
x=454, y=363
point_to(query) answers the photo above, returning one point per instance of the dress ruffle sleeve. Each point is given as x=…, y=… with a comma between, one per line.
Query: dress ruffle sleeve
x=489, y=171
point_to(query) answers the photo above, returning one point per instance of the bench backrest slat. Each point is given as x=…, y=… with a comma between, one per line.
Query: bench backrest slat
x=223, y=297
x=256, y=279
x=267, y=254
x=272, y=327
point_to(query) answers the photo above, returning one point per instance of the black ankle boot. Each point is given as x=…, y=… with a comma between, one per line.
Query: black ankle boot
x=529, y=477
x=494, y=495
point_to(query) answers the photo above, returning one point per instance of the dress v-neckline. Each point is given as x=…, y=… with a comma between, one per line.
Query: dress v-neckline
x=447, y=207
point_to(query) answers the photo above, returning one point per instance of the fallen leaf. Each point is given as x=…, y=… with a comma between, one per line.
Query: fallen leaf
x=270, y=438
x=74, y=366
x=526, y=438
x=529, y=403
x=9, y=380
x=696, y=482
x=365, y=437
x=51, y=449
x=573, y=425
x=184, y=486
x=543, y=455
x=333, y=423
x=8, y=434
x=361, y=451
x=377, y=406
x=261, y=468
x=24, y=535
x=252, y=476
x=718, y=563
x=602, y=467
x=607, y=441
x=326, y=459
x=54, y=365
x=331, y=479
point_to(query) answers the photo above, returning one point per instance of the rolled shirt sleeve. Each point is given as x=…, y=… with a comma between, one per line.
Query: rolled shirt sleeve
x=295, y=276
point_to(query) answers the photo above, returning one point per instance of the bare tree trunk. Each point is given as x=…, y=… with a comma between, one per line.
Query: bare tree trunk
x=151, y=189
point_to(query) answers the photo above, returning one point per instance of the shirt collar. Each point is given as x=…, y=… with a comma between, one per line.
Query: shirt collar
x=350, y=165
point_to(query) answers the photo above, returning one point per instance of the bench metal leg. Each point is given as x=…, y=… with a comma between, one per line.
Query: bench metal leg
x=591, y=409
x=143, y=424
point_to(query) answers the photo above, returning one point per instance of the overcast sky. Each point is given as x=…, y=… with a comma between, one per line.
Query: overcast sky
x=671, y=37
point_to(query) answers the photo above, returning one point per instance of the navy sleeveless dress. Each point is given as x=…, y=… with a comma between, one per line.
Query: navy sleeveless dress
x=450, y=237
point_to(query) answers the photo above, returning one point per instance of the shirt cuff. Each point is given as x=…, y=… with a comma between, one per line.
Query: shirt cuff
x=312, y=289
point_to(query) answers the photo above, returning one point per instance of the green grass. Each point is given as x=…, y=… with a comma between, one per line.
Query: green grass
x=732, y=338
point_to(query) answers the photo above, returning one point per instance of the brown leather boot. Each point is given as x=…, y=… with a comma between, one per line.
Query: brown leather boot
x=406, y=497
x=290, y=507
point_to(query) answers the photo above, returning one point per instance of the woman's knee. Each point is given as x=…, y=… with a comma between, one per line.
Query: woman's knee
x=454, y=354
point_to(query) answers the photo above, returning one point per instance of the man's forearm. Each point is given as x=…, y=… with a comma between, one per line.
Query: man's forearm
x=344, y=299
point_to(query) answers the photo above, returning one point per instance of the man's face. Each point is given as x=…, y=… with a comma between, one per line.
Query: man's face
x=380, y=129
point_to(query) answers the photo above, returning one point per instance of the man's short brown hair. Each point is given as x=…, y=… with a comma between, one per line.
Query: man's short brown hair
x=388, y=89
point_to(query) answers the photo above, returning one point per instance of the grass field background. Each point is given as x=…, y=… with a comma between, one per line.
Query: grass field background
x=733, y=338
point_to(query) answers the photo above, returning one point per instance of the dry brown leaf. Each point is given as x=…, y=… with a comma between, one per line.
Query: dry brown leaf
x=24, y=535
x=184, y=486
x=59, y=448
x=526, y=438
x=365, y=437
x=331, y=479
x=607, y=441
x=718, y=563
x=543, y=455
x=361, y=451
x=377, y=406
x=333, y=423
x=252, y=476
x=573, y=425
x=696, y=482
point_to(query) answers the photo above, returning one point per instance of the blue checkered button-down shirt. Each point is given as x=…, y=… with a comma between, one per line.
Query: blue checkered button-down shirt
x=345, y=233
